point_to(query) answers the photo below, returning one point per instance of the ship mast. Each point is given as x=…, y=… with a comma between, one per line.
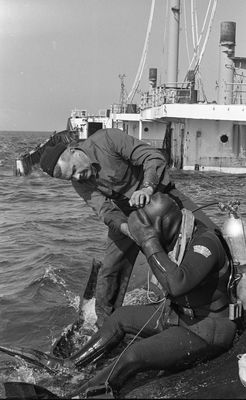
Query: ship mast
x=173, y=44
x=123, y=94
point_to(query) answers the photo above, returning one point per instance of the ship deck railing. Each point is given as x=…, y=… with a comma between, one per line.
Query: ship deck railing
x=168, y=95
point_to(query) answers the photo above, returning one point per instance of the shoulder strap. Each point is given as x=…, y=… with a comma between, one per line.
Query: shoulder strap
x=186, y=230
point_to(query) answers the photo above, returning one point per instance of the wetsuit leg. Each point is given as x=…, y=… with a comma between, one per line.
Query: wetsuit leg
x=176, y=347
x=121, y=253
x=131, y=319
x=172, y=349
x=217, y=331
x=163, y=348
x=128, y=319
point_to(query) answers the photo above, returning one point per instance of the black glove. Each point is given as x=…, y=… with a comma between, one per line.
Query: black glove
x=145, y=234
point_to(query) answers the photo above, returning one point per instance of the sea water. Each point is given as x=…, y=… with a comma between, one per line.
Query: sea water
x=49, y=237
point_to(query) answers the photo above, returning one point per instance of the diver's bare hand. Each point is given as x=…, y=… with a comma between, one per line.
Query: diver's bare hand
x=141, y=197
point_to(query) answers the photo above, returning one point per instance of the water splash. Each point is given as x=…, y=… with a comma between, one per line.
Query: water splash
x=50, y=274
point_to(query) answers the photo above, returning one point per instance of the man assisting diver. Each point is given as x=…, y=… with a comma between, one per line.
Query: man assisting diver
x=114, y=173
x=190, y=322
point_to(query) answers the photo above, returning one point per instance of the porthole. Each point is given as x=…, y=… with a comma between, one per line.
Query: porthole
x=224, y=138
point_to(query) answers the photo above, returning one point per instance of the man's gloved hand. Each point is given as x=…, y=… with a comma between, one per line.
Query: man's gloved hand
x=145, y=234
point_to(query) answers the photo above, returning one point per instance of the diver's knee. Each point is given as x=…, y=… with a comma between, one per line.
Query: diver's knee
x=131, y=358
x=225, y=333
x=118, y=316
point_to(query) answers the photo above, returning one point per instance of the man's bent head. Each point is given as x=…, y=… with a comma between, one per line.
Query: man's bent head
x=63, y=162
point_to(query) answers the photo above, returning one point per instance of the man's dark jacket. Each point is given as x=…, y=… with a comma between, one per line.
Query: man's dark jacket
x=123, y=164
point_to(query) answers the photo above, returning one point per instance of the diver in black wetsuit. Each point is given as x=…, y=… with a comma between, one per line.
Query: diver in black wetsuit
x=190, y=323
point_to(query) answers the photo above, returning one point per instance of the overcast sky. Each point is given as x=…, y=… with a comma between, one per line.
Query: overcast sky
x=57, y=55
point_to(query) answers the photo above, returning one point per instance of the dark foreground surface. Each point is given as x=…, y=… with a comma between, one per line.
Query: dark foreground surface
x=217, y=379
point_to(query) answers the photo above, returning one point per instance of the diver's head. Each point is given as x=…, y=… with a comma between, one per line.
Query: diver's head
x=165, y=214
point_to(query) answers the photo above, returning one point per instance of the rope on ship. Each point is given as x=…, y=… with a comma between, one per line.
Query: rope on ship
x=197, y=40
x=207, y=34
x=143, y=57
x=186, y=34
x=197, y=44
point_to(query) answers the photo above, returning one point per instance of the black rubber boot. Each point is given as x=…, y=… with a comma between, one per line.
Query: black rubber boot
x=100, y=342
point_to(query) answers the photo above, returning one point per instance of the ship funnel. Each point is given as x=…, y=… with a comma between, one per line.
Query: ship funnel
x=152, y=77
x=228, y=33
x=226, y=70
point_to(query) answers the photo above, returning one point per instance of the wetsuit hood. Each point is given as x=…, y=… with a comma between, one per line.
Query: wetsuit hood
x=166, y=216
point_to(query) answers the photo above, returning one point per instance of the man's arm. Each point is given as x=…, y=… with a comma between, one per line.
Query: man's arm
x=139, y=153
x=180, y=279
x=177, y=280
x=106, y=209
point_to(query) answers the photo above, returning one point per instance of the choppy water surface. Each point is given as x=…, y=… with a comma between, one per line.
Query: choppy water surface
x=49, y=238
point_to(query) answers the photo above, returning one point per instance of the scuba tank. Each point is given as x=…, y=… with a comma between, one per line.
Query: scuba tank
x=233, y=231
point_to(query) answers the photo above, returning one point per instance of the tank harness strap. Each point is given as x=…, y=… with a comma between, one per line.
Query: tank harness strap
x=217, y=306
x=185, y=234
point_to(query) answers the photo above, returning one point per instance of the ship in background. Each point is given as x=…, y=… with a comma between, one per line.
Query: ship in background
x=80, y=125
x=84, y=124
x=175, y=116
x=196, y=135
